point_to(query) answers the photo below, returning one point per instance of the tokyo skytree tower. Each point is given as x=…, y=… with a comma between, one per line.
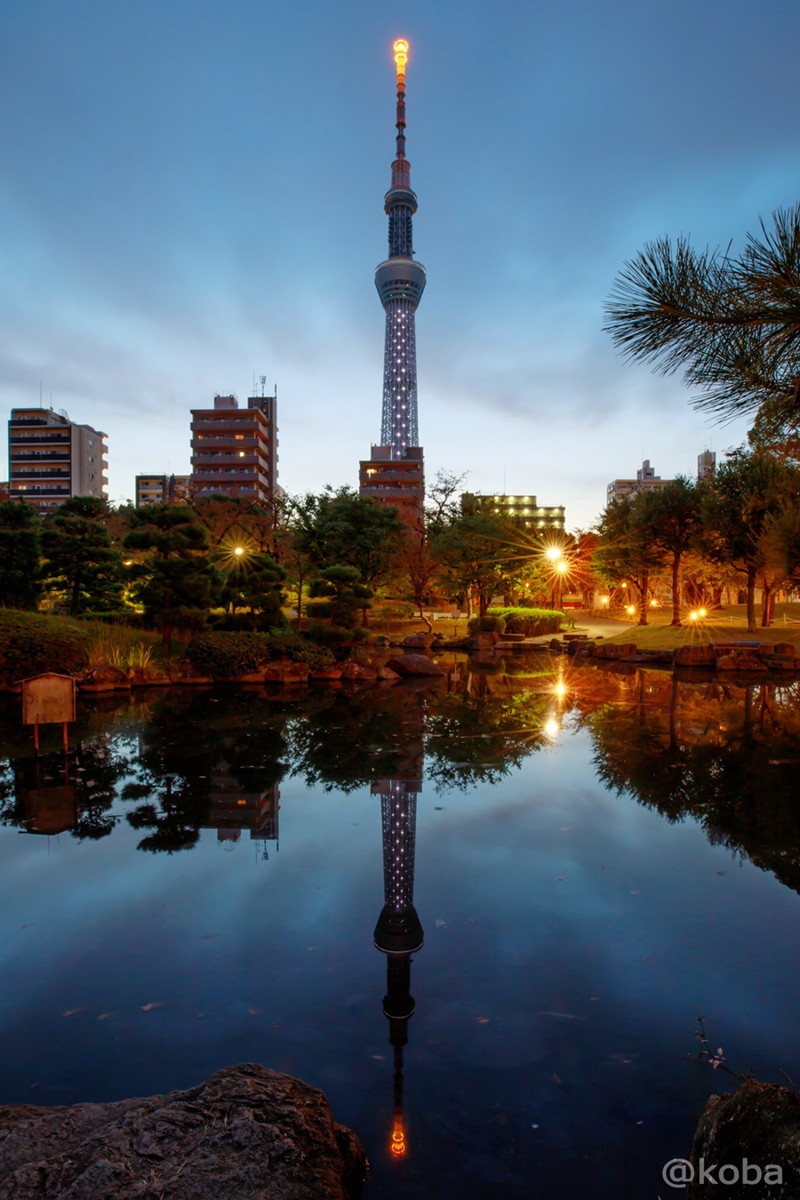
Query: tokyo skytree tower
x=400, y=282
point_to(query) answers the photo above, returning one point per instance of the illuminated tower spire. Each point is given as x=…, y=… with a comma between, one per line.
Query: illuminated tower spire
x=399, y=931
x=400, y=282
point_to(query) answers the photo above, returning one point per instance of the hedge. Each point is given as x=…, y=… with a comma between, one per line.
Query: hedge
x=530, y=621
x=224, y=655
x=31, y=643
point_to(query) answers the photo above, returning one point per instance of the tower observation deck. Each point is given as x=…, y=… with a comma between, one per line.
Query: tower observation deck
x=394, y=474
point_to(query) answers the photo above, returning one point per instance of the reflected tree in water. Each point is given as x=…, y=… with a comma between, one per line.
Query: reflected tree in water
x=346, y=740
x=196, y=762
x=480, y=739
x=58, y=793
x=725, y=754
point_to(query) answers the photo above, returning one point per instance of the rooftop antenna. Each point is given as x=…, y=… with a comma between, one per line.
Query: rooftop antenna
x=275, y=392
x=41, y=402
x=263, y=379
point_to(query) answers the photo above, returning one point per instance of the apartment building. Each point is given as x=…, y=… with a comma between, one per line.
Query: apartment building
x=161, y=489
x=51, y=458
x=235, y=450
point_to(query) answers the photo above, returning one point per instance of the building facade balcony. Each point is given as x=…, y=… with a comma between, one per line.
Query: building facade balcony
x=18, y=473
x=35, y=439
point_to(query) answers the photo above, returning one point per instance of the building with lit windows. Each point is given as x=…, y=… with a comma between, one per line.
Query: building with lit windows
x=523, y=511
x=235, y=450
x=161, y=489
x=51, y=458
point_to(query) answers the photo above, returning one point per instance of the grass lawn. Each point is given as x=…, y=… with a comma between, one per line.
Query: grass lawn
x=721, y=625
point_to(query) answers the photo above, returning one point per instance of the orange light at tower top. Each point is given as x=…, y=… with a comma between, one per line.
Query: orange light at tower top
x=401, y=56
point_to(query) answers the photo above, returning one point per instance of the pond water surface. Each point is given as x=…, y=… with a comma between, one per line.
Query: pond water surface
x=591, y=860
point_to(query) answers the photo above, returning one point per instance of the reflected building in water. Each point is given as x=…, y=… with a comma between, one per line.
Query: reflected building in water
x=398, y=933
x=232, y=811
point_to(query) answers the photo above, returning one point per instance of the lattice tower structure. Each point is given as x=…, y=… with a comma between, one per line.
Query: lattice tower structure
x=400, y=282
x=399, y=824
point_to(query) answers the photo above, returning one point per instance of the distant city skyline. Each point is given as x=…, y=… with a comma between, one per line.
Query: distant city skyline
x=192, y=199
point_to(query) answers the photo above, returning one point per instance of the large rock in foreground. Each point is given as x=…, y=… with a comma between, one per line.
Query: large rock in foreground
x=760, y=1123
x=247, y=1132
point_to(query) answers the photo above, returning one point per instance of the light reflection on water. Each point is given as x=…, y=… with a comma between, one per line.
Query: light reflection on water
x=592, y=857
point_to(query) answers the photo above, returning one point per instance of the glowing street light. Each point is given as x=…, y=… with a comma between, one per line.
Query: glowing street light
x=561, y=568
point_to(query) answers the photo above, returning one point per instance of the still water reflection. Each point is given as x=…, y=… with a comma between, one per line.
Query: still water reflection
x=596, y=858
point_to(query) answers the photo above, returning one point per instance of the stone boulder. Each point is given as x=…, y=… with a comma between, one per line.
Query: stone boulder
x=759, y=1122
x=420, y=640
x=185, y=674
x=103, y=679
x=355, y=670
x=247, y=1132
x=387, y=675
x=414, y=664
x=148, y=677
x=616, y=650
x=485, y=640
x=785, y=649
x=741, y=660
x=695, y=656
x=283, y=670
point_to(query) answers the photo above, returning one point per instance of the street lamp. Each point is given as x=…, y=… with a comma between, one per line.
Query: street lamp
x=561, y=568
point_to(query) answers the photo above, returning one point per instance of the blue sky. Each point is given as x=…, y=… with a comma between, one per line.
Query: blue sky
x=191, y=196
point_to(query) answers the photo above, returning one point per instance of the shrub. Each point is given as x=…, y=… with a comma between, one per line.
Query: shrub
x=488, y=624
x=530, y=621
x=248, y=622
x=228, y=654
x=286, y=643
x=338, y=639
x=224, y=655
x=31, y=643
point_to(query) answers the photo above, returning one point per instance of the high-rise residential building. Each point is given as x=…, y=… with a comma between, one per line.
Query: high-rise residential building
x=706, y=464
x=51, y=458
x=522, y=511
x=161, y=489
x=235, y=450
x=395, y=472
x=646, y=480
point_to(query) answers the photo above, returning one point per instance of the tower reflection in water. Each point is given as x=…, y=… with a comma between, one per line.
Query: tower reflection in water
x=398, y=932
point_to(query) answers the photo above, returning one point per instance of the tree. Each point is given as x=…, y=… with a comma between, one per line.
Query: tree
x=20, y=585
x=344, y=593
x=174, y=580
x=478, y=553
x=625, y=550
x=421, y=562
x=80, y=561
x=671, y=517
x=344, y=529
x=232, y=521
x=730, y=324
x=252, y=581
x=747, y=493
